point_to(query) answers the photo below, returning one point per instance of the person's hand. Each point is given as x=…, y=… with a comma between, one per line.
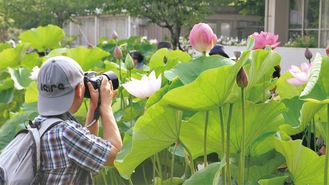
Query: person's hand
x=93, y=96
x=107, y=92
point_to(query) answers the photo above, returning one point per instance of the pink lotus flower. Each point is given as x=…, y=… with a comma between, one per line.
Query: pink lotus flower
x=301, y=76
x=263, y=39
x=202, y=38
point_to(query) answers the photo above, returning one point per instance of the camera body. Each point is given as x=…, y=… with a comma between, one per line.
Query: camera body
x=96, y=81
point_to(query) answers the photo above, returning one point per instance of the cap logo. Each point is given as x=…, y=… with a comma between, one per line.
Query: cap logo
x=51, y=87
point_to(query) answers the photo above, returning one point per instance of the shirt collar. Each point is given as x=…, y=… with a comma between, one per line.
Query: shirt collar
x=65, y=116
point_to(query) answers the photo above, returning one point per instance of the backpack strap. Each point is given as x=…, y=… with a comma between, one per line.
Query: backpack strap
x=38, y=133
x=48, y=124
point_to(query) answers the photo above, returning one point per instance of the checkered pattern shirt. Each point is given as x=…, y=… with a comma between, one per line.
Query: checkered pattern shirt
x=70, y=154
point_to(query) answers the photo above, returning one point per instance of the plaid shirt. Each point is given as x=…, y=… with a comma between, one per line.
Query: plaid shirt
x=70, y=154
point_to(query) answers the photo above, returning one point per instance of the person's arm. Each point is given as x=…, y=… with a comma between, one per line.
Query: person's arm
x=92, y=107
x=110, y=127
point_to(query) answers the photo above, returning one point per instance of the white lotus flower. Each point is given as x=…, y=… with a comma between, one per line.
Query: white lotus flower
x=153, y=41
x=145, y=87
x=35, y=73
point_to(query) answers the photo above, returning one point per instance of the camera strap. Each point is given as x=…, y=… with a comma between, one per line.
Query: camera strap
x=97, y=111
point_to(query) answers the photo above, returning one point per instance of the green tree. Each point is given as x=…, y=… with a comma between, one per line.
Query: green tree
x=254, y=7
x=173, y=15
x=5, y=21
x=26, y=14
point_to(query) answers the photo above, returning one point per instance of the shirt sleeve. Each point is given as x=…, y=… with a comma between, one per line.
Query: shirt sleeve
x=87, y=150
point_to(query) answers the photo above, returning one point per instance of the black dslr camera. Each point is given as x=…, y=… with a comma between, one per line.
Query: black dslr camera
x=96, y=80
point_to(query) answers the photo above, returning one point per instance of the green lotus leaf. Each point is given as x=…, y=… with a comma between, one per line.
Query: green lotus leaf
x=5, y=81
x=43, y=37
x=31, y=60
x=317, y=88
x=7, y=96
x=10, y=128
x=321, y=129
x=262, y=121
x=157, y=59
x=12, y=57
x=301, y=162
x=299, y=115
x=31, y=93
x=321, y=123
x=31, y=109
x=156, y=130
x=250, y=42
x=20, y=77
x=133, y=112
x=188, y=72
x=5, y=46
x=182, y=56
x=173, y=181
x=204, y=176
x=266, y=168
x=126, y=147
x=261, y=67
x=292, y=116
x=273, y=181
x=286, y=90
x=209, y=91
x=257, y=93
x=8, y=58
x=86, y=57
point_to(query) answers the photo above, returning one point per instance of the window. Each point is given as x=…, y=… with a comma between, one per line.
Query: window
x=309, y=19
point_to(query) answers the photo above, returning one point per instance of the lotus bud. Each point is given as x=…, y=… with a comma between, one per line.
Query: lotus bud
x=129, y=63
x=308, y=54
x=202, y=37
x=114, y=34
x=242, y=78
x=117, y=53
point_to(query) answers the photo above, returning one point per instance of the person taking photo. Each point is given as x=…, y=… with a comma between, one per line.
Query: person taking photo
x=70, y=152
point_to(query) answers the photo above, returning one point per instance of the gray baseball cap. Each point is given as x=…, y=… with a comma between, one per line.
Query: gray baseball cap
x=57, y=79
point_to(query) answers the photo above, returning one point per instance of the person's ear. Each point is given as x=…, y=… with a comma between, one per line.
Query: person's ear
x=79, y=90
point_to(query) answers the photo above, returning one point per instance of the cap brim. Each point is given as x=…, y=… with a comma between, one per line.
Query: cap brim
x=55, y=106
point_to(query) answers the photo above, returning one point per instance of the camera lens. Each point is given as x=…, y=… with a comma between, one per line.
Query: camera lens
x=114, y=78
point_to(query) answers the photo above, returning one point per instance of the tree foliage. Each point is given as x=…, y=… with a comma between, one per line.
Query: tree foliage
x=173, y=15
x=254, y=7
x=26, y=14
